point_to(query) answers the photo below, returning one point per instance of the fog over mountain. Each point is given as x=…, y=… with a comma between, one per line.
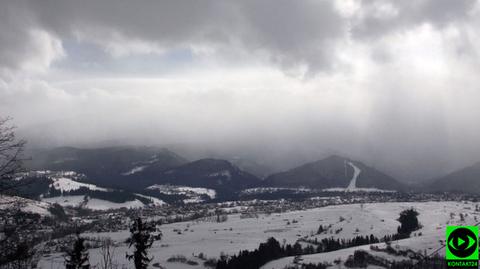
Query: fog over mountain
x=280, y=83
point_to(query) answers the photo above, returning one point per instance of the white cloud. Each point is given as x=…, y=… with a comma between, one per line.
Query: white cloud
x=23, y=46
x=393, y=81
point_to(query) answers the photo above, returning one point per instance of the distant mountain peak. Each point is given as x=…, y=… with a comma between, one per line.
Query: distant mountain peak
x=334, y=172
x=210, y=173
x=464, y=180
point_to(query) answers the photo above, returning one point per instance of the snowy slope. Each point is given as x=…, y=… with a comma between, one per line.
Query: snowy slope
x=99, y=204
x=25, y=205
x=155, y=201
x=134, y=170
x=194, y=195
x=433, y=216
x=64, y=184
x=334, y=172
x=353, y=183
x=352, y=186
x=237, y=233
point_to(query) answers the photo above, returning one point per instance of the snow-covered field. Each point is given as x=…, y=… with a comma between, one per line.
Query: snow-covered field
x=99, y=204
x=155, y=201
x=65, y=184
x=262, y=190
x=24, y=205
x=211, y=238
x=91, y=203
x=195, y=195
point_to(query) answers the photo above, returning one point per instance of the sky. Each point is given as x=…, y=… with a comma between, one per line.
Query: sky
x=391, y=83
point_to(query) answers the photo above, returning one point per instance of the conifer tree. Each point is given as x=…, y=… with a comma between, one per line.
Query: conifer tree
x=141, y=238
x=77, y=258
x=408, y=221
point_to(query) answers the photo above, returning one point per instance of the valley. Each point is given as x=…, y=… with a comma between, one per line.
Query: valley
x=187, y=134
x=209, y=210
x=248, y=225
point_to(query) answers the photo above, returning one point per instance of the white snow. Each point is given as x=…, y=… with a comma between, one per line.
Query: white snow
x=224, y=173
x=64, y=184
x=92, y=203
x=68, y=173
x=202, y=191
x=194, y=194
x=25, y=205
x=261, y=190
x=155, y=201
x=237, y=233
x=356, y=172
x=140, y=166
x=135, y=170
x=68, y=200
x=352, y=186
x=434, y=216
x=357, y=190
x=97, y=204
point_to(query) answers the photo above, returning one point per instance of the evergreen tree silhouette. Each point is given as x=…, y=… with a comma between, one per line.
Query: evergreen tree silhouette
x=77, y=258
x=408, y=221
x=141, y=238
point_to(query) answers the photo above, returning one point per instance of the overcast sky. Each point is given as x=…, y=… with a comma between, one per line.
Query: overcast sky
x=392, y=83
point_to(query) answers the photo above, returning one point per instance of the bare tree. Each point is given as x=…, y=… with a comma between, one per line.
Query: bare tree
x=14, y=252
x=11, y=150
x=107, y=253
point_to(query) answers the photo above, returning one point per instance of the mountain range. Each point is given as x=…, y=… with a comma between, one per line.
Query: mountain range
x=135, y=169
x=116, y=167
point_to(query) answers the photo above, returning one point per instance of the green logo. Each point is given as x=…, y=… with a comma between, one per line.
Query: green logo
x=462, y=245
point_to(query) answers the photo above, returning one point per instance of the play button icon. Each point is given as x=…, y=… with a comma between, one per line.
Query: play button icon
x=462, y=242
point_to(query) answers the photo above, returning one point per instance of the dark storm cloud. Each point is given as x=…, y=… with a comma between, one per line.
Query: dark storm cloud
x=22, y=44
x=392, y=83
x=289, y=33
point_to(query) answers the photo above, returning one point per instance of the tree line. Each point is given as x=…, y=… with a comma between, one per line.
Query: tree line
x=272, y=250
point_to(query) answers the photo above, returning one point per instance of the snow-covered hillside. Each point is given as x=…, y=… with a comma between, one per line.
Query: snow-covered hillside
x=347, y=221
x=69, y=188
x=194, y=195
x=154, y=201
x=134, y=170
x=91, y=203
x=24, y=205
x=263, y=190
x=64, y=184
x=352, y=186
x=99, y=204
x=334, y=172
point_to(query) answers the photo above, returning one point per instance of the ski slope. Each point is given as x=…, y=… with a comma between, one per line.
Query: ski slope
x=352, y=186
x=356, y=172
